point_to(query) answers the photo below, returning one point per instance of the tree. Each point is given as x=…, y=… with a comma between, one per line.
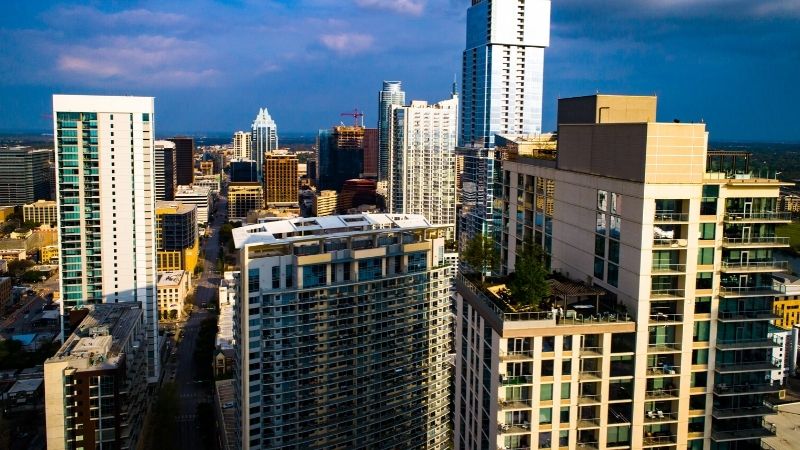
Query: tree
x=481, y=255
x=173, y=314
x=20, y=266
x=528, y=283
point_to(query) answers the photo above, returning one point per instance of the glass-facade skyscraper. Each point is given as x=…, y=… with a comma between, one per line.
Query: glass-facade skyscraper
x=391, y=94
x=264, y=138
x=343, y=334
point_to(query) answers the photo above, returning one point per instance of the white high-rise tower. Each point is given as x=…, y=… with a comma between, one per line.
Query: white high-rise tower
x=391, y=94
x=503, y=69
x=106, y=204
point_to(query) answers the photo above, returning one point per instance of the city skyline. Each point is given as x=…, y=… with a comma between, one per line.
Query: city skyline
x=664, y=48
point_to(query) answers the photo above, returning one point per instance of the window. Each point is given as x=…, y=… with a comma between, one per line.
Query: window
x=707, y=231
x=565, y=390
x=315, y=275
x=705, y=280
x=599, y=268
x=276, y=277
x=253, y=284
x=602, y=200
x=600, y=228
x=545, y=415
x=616, y=203
x=700, y=356
x=613, y=275
x=705, y=256
x=613, y=251
x=599, y=245
x=702, y=305
x=701, y=331
x=546, y=392
x=616, y=225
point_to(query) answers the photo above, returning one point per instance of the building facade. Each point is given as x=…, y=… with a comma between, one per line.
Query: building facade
x=263, y=139
x=340, y=152
x=325, y=203
x=371, y=151
x=41, y=211
x=173, y=287
x=344, y=343
x=669, y=345
x=242, y=145
x=184, y=160
x=177, y=242
x=422, y=164
x=96, y=384
x=198, y=196
x=166, y=183
x=24, y=175
x=106, y=203
x=243, y=198
x=390, y=95
x=281, y=183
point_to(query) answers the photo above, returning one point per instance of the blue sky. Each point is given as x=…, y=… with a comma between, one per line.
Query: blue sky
x=211, y=64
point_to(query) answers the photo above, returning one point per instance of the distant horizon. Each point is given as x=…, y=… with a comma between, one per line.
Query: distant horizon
x=295, y=134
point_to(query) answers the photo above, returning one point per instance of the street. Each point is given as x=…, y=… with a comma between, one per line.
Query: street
x=192, y=391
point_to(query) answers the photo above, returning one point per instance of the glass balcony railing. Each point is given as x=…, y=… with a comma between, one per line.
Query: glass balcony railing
x=756, y=241
x=740, y=344
x=754, y=266
x=670, y=216
x=760, y=216
x=765, y=430
x=724, y=390
x=749, y=366
x=668, y=268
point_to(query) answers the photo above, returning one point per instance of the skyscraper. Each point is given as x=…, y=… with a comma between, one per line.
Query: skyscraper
x=184, y=160
x=242, y=145
x=659, y=334
x=166, y=183
x=177, y=242
x=340, y=152
x=264, y=138
x=503, y=66
x=370, y=153
x=503, y=69
x=422, y=169
x=345, y=342
x=106, y=201
x=24, y=176
x=281, y=183
x=391, y=94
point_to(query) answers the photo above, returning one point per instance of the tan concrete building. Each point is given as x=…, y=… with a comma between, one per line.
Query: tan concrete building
x=49, y=254
x=325, y=203
x=41, y=211
x=173, y=287
x=241, y=145
x=6, y=212
x=96, y=384
x=243, y=198
x=674, y=351
x=281, y=180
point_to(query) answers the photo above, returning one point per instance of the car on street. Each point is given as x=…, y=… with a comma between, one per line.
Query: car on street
x=227, y=405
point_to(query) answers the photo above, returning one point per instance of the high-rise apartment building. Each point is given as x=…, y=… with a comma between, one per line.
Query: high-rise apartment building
x=340, y=152
x=244, y=171
x=343, y=334
x=669, y=344
x=243, y=198
x=106, y=201
x=184, y=160
x=166, y=183
x=371, y=150
x=502, y=78
x=263, y=139
x=96, y=384
x=177, y=239
x=242, y=145
x=281, y=183
x=422, y=164
x=24, y=176
x=390, y=95
x=41, y=211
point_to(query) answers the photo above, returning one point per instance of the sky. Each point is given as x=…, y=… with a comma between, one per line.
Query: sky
x=734, y=64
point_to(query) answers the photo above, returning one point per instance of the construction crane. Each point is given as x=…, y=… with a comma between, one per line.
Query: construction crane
x=356, y=114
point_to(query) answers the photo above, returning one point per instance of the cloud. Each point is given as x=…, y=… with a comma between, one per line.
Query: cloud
x=708, y=9
x=139, y=60
x=347, y=43
x=411, y=7
x=82, y=16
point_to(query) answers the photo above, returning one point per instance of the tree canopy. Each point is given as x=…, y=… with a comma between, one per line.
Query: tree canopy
x=481, y=254
x=528, y=283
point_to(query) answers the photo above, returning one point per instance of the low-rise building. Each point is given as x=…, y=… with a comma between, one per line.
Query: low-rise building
x=325, y=203
x=96, y=384
x=211, y=182
x=41, y=211
x=228, y=293
x=173, y=287
x=5, y=292
x=49, y=254
x=198, y=196
x=243, y=198
x=787, y=305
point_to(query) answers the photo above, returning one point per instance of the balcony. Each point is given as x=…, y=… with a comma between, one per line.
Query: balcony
x=748, y=242
x=765, y=430
x=747, y=316
x=588, y=423
x=663, y=370
x=724, y=390
x=754, y=266
x=590, y=375
x=668, y=268
x=765, y=216
x=752, y=366
x=659, y=416
x=741, y=344
x=667, y=294
x=741, y=412
x=660, y=318
x=510, y=404
x=747, y=291
x=661, y=394
x=516, y=355
x=510, y=428
x=667, y=243
x=670, y=217
x=664, y=347
x=658, y=440
x=516, y=380
x=589, y=399
x=591, y=352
